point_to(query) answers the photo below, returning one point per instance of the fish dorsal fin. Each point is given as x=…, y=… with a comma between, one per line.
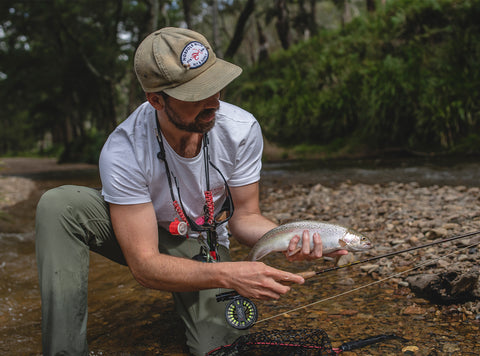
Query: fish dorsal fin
x=342, y=243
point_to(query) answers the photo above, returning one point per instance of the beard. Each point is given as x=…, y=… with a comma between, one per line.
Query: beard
x=199, y=125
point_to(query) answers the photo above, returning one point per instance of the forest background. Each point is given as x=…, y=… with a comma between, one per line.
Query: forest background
x=324, y=78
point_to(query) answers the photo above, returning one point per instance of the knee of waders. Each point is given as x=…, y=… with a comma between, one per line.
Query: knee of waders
x=52, y=202
x=56, y=223
x=59, y=207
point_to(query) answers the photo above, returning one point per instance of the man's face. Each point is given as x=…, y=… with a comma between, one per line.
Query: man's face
x=197, y=116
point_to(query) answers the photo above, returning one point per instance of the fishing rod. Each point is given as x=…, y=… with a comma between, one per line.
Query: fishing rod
x=241, y=313
x=310, y=274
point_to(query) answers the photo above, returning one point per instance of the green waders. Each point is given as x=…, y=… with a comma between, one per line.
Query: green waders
x=70, y=221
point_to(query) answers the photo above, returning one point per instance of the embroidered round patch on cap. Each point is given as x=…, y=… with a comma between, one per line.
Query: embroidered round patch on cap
x=194, y=55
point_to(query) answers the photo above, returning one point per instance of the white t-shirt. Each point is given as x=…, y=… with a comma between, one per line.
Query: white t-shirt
x=131, y=172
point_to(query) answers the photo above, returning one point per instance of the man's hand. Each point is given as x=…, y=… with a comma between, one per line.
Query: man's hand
x=256, y=280
x=306, y=253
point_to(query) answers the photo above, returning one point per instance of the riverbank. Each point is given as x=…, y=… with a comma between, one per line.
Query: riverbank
x=16, y=184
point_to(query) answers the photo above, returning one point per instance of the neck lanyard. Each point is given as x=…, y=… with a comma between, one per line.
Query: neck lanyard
x=207, y=223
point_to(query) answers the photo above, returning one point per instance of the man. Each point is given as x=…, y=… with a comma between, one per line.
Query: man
x=179, y=160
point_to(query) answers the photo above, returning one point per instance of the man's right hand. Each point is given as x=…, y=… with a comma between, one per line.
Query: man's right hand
x=256, y=280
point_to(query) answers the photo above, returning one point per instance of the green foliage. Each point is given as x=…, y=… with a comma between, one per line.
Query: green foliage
x=408, y=76
x=84, y=149
x=63, y=65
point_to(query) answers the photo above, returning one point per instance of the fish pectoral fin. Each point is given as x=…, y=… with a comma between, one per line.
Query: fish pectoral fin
x=291, y=253
x=342, y=243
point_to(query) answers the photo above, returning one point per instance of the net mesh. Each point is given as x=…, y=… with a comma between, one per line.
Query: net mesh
x=279, y=342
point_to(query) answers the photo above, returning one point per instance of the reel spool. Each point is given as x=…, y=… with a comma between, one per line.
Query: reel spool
x=240, y=312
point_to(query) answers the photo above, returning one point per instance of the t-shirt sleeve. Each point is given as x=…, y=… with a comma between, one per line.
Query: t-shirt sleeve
x=123, y=181
x=248, y=161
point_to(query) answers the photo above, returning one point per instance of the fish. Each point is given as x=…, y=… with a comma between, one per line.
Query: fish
x=334, y=237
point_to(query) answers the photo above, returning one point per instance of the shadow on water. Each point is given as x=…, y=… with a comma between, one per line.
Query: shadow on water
x=127, y=319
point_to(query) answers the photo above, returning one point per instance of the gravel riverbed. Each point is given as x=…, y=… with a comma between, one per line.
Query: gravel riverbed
x=398, y=216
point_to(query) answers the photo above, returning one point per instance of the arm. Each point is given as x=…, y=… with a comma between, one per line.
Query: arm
x=135, y=227
x=248, y=224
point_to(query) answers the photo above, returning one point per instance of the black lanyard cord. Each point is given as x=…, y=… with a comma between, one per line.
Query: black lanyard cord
x=180, y=209
x=163, y=156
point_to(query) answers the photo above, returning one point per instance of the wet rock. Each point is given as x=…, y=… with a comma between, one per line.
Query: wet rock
x=410, y=350
x=413, y=310
x=14, y=190
x=369, y=268
x=449, y=348
x=437, y=233
x=449, y=287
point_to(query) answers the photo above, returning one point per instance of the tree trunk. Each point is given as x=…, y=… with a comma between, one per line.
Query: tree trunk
x=282, y=25
x=313, y=22
x=216, y=39
x=371, y=6
x=262, y=42
x=187, y=12
x=239, y=29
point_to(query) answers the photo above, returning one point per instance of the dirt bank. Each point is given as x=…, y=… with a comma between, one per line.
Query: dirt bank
x=15, y=184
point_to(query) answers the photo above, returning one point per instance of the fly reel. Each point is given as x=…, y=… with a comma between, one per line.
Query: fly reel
x=240, y=312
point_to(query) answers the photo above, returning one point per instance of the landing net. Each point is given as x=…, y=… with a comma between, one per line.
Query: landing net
x=302, y=342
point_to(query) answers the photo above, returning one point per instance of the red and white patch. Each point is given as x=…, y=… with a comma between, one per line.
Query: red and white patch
x=194, y=55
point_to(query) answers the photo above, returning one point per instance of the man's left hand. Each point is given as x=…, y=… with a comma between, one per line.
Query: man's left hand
x=306, y=253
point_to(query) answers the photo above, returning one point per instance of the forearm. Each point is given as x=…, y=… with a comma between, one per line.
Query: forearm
x=175, y=274
x=249, y=228
x=248, y=224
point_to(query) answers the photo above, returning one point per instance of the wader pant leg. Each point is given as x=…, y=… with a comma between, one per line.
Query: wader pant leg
x=70, y=221
x=203, y=316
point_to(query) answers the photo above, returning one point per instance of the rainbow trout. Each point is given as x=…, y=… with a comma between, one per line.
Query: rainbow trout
x=334, y=237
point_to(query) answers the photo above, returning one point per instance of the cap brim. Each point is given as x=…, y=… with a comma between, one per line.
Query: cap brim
x=206, y=84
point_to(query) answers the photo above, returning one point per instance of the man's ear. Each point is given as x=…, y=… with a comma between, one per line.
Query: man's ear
x=156, y=100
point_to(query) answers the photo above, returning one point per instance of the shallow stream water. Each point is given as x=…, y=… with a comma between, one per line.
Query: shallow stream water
x=127, y=319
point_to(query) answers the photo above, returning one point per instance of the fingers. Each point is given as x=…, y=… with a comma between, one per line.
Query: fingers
x=292, y=246
x=291, y=278
x=306, y=252
x=259, y=281
x=306, y=243
x=280, y=285
x=317, y=246
x=337, y=253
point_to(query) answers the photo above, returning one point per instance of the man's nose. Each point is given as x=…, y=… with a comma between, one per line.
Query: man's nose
x=212, y=102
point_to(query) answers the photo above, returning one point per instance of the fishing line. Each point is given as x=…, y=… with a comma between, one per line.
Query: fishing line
x=309, y=274
x=371, y=284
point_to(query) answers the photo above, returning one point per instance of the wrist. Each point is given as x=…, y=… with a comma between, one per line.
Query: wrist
x=222, y=274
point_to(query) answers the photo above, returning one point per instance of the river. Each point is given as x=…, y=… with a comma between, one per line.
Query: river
x=127, y=319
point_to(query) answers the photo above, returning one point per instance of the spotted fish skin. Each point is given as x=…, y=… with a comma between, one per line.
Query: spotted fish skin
x=334, y=237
